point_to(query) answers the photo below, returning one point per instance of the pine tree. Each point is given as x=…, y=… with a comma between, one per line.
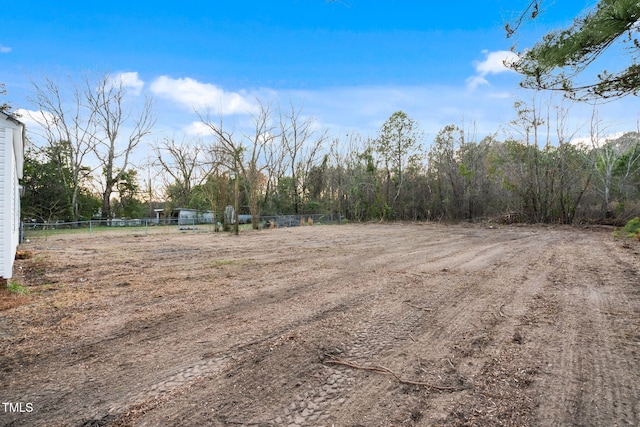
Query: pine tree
x=559, y=59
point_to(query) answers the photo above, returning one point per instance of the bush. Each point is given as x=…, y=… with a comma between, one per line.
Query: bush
x=631, y=229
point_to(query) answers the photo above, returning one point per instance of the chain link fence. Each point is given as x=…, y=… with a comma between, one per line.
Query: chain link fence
x=279, y=221
x=140, y=227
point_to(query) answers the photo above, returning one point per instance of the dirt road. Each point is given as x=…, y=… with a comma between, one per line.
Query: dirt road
x=354, y=325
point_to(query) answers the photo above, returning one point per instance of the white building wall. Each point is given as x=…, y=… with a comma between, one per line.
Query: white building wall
x=11, y=164
x=6, y=264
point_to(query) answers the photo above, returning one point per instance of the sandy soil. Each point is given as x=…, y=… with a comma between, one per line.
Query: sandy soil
x=354, y=325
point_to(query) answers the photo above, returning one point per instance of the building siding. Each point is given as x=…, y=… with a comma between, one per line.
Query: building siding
x=5, y=193
x=11, y=163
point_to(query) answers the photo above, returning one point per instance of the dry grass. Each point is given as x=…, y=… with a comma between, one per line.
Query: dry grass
x=10, y=300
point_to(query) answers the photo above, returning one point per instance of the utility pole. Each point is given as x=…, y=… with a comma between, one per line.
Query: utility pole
x=236, y=226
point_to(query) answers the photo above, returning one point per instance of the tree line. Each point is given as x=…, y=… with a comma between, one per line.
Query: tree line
x=284, y=164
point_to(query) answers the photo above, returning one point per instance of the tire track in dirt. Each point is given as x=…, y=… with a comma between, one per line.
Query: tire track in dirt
x=312, y=405
x=242, y=336
x=245, y=347
x=315, y=404
x=254, y=354
x=591, y=371
x=177, y=370
x=154, y=332
x=470, y=294
x=338, y=395
x=377, y=334
x=485, y=333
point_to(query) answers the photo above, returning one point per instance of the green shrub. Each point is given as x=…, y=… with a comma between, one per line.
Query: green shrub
x=630, y=230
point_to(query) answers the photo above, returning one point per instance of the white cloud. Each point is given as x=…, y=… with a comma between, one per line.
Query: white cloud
x=597, y=141
x=475, y=81
x=193, y=94
x=197, y=129
x=364, y=109
x=4, y=49
x=501, y=95
x=33, y=118
x=34, y=121
x=130, y=79
x=494, y=63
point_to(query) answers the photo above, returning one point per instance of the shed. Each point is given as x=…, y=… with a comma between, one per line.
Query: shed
x=194, y=216
x=11, y=168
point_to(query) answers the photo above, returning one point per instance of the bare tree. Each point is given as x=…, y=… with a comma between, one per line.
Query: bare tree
x=247, y=156
x=117, y=131
x=228, y=151
x=533, y=125
x=68, y=128
x=264, y=156
x=91, y=118
x=255, y=179
x=275, y=167
x=184, y=166
x=448, y=185
x=302, y=145
x=614, y=159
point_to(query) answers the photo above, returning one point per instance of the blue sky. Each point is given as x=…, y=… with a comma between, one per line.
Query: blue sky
x=350, y=64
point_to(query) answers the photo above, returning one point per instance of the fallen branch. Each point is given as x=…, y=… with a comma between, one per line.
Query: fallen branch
x=242, y=423
x=381, y=369
x=418, y=307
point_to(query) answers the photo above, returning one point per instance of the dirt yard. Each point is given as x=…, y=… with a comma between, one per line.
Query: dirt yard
x=353, y=325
